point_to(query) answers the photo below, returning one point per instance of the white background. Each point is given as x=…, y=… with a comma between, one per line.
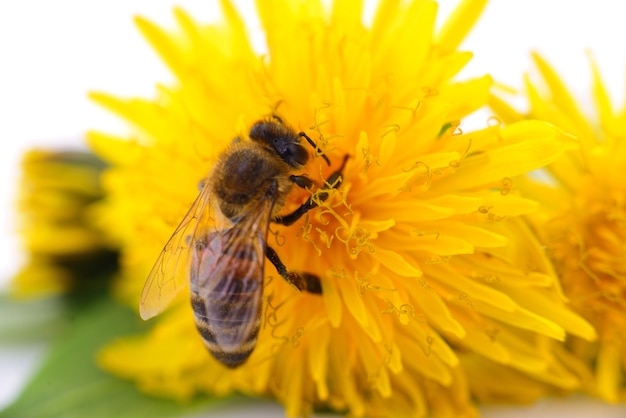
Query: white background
x=53, y=52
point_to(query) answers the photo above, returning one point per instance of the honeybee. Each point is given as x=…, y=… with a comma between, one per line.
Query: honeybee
x=220, y=246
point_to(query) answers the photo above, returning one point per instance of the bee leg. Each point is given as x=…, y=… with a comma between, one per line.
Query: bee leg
x=312, y=143
x=333, y=181
x=302, y=281
x=302, y=181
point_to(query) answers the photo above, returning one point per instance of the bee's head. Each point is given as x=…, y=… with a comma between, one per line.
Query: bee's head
x=282, y=139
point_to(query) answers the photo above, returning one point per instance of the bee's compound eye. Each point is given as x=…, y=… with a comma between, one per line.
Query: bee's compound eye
x=295, y=154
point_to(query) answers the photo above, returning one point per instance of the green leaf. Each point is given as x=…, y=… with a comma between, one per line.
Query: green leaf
x=69, y=384
x=28, y=321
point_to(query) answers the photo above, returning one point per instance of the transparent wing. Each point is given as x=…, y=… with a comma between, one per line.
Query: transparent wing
x=227, y=274
x=170, y=273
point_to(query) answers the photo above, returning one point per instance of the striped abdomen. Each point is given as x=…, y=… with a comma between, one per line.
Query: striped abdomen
x=226, y=295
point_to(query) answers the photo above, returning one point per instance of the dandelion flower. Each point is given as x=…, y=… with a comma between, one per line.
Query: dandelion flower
x=421, y=251
x=64, y=248
x=583, y=224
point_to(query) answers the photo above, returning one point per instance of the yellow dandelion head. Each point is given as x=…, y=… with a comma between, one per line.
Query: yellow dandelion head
x=584, y=221
x=420, y=250
x=57, y=190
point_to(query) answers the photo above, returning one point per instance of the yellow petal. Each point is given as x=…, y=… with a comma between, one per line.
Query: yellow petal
x=507, y=113
x=527, y=145
x=606, y=113
x=563, y=99
x=459, y=24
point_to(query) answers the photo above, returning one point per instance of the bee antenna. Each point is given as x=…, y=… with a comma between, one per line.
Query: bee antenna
x=314, y=145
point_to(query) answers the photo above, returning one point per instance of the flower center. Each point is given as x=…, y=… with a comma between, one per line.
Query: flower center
x=592, y=258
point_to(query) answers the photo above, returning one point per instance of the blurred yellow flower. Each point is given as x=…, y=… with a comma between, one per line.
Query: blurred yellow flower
x=421, y=252
x=583, y=220
x=63, y=247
